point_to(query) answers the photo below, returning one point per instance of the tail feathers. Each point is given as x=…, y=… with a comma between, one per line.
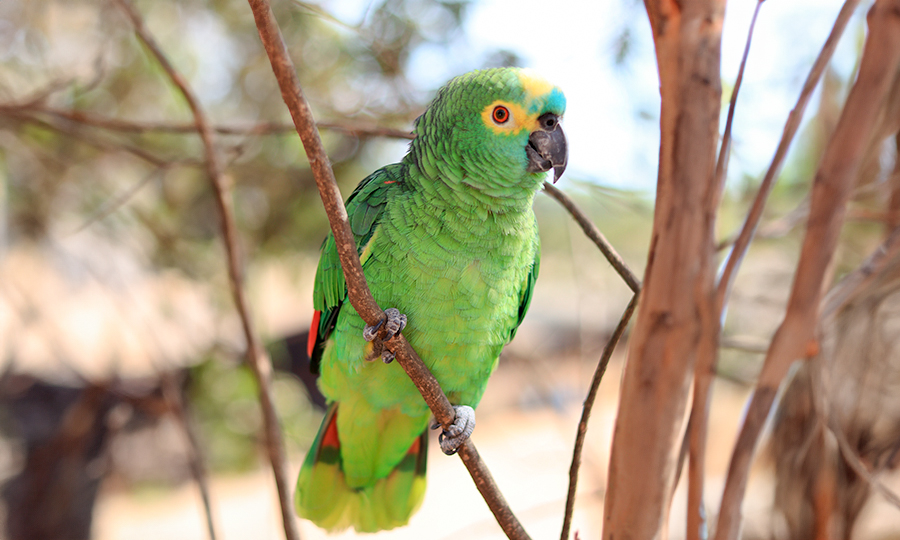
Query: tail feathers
x=323, y=496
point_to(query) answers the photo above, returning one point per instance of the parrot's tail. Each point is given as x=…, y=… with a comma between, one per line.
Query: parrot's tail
x=323, y=496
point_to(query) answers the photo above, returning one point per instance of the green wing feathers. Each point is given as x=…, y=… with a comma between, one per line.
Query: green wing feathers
x=528, y=288
x=365, y=207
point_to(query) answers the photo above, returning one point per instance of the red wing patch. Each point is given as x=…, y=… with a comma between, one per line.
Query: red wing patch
x=313, y=333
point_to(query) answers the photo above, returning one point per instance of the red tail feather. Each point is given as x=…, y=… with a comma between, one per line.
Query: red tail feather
x=313, y=333
x=330, y=437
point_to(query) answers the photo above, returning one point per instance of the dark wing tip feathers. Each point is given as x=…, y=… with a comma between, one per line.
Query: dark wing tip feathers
x=364, y=206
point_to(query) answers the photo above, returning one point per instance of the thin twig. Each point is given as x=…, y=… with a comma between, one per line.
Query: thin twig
x=586, y=413
x=739, y=249
x=111, y=206
x=596, y=236
x=257, y=358
x=137, y=127
x=172, y=394
x=101, y=144
x=357, y=290
x=704, y=372
x=831, y=189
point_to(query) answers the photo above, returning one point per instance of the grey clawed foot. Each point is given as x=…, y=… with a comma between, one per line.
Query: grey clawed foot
x=459, y=432
x=394, y=322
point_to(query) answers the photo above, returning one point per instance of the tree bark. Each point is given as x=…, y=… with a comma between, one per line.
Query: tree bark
x=678, y=294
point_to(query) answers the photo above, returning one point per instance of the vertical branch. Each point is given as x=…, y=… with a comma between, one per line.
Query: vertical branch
x=704, y=372
x=677, y=295
x=831, y=189
x=358, y=292
x=893, y=210
x=257, y=358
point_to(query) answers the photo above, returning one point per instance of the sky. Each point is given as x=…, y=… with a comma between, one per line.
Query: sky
x=612, y=115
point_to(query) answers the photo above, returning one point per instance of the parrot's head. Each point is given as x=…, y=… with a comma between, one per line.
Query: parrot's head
x=495, y=130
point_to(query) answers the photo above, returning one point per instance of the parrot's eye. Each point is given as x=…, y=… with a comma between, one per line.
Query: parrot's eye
x=500, y=114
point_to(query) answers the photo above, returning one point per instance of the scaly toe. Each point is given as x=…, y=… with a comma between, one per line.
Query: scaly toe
x=396, y=322
x=463, y=425
x=371, y=332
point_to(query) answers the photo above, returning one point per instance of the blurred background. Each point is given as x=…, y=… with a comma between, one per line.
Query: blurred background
x=119, y=343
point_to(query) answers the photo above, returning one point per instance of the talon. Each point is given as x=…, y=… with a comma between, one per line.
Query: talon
x=396, y=322
x=457, y=433
x=371, y=332
x=387, y=356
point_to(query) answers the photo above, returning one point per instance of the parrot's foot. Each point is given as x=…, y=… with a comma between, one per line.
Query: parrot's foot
x=394, y=322
x=458, y=432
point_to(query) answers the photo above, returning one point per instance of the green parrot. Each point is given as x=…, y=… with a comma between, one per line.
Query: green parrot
x=447, y=236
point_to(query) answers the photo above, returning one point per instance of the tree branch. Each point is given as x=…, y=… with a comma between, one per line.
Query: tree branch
x=677, y=297
x=358, y=292
x=586, y=413
x=257, y=358
x=704, y=371
x=831, y=189
x=742, y=243
x=592, y=232
x=136, y=127
x=172, y=394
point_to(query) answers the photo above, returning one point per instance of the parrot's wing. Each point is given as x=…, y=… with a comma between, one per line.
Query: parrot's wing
x=364, y=208
x=528, y=286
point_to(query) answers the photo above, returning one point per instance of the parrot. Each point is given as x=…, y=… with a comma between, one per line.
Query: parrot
x=448, y=239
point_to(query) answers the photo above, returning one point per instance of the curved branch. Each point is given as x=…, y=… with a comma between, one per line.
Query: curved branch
x=358, y=292
x=586, y=413
x=596, y=236
x=257, y=358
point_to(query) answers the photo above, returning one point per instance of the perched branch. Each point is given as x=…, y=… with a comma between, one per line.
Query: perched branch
x=831, y=189
x=592, y=232
x=586, y=413
x=358, y=292
x=257, y=358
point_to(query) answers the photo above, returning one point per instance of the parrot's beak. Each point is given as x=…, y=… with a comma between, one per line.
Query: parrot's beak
x=547, y=147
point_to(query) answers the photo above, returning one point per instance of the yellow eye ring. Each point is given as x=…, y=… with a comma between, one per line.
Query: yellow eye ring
x=500, y=115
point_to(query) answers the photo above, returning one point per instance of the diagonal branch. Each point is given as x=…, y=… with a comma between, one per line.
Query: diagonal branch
x=586, y=413
x=257, y=358
x=742, y=243
x=358, y=292
x=172, y=394
x=596, y=236
x=831, y=189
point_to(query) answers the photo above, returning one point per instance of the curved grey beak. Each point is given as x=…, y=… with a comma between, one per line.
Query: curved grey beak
x=547, y=147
